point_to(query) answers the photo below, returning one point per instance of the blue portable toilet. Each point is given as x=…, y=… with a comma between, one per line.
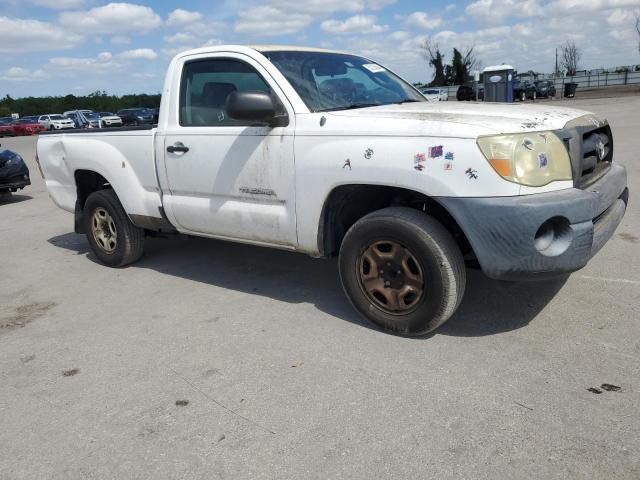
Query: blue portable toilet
x=498, y=83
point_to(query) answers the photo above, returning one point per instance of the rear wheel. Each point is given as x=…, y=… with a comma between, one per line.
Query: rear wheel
x=402, y=270
x=113, y=238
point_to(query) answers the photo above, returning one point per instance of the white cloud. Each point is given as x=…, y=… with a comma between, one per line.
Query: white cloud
x=183, y=17
x=173, y=51
x=120, y=40
x=362, y=24
x=17, y=36
x=180, y=37
x=138, y=54
x=100, y=65
x=496, y=11
x=620, y=17
x=399, y=36
x=423, y=21
x=104, y=56
x=378, y=4
x=268, y=20
x=144, y=76
x=113, y=18
x=578, y=6
x=19, y=74
x=59, y=4
x=319, y=7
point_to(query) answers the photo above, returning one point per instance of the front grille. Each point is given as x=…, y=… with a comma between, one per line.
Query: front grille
x=591, y=151
x=597, y=154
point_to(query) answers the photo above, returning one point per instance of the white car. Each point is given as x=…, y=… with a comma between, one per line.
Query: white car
x=436, y=94
x=331, y=154
x=110, y=119
x=55, y=122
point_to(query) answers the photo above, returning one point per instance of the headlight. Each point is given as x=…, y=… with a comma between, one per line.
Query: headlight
x=533, y=159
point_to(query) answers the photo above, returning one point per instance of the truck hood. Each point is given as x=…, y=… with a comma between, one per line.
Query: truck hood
x=486, y=118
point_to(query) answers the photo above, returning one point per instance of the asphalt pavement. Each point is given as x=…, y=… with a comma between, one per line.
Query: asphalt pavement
x=215, y=360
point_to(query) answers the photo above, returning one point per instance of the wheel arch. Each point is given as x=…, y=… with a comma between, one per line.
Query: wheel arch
x=87, y=182
x=346, y=204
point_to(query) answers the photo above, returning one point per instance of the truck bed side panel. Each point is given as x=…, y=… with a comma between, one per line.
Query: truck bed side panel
x=125, y=160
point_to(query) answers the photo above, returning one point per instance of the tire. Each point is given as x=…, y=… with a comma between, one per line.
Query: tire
x=118, y=250
x=424, y=250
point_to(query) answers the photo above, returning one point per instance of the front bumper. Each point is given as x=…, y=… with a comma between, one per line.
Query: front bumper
x=505, y=232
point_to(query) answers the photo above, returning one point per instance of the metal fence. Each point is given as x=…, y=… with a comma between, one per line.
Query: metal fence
x=587, y=81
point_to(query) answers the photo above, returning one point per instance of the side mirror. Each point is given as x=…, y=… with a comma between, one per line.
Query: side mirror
x=256, y=107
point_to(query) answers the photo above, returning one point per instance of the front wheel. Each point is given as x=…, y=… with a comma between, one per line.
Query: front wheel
x=113, y=238
x=402, y=270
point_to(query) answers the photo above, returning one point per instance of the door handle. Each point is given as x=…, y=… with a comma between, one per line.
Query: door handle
x=177, y=147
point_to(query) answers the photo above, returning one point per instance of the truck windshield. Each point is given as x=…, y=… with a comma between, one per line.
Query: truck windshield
x=333, y=81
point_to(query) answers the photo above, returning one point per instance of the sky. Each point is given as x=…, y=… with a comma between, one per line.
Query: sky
x=58, y=47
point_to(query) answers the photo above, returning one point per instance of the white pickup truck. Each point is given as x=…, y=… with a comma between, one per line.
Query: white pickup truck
x=331, y=154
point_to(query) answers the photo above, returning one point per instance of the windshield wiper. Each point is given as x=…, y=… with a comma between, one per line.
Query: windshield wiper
x=352, y=106
x=408, y=100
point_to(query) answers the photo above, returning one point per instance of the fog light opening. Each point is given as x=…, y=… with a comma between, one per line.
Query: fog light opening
x=553, y=237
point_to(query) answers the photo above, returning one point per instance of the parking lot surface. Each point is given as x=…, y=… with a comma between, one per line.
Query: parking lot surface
x=215, y=360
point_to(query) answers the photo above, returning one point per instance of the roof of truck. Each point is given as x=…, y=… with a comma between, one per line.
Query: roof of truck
x=290, y=48
x=258, y=48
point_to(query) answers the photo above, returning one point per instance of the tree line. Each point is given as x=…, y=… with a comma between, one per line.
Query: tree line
x=99, y=101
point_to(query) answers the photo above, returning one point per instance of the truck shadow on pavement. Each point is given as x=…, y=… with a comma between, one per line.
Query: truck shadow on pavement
x=489, y=307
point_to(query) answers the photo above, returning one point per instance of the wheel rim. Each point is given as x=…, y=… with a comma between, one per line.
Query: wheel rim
x=104, y=230
x=391, y=277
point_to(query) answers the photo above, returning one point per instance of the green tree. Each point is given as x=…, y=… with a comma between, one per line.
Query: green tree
x=433, y=56
x=98, y=100
x=456, y=73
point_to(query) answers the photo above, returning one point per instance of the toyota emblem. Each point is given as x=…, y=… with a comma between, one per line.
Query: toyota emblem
x=600, y=150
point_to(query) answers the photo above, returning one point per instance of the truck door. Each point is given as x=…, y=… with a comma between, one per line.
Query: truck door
x=223, y=177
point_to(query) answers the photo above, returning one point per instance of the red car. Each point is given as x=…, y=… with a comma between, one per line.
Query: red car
x=6, y=127
x=27, y=126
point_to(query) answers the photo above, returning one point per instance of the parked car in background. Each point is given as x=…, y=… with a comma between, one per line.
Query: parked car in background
x=84, y=118
x=6, y=127
x=156, y=114
x=436, y=94
x=110, y=119
x=545, y=88
x=55, y=122
x=93, y=118
x=77, y=119
x=14, y=173
x=465, y=93
x=27, y=126
x=136, y=116
x=524, y=89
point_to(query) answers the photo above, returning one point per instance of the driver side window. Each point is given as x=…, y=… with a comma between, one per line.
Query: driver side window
x=206, y=85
